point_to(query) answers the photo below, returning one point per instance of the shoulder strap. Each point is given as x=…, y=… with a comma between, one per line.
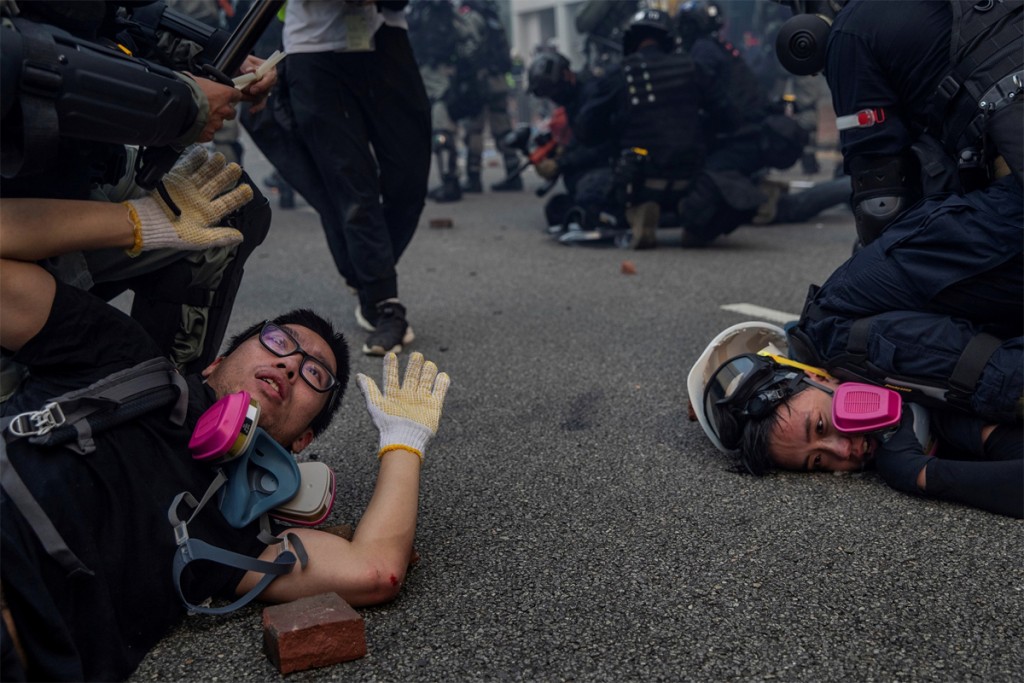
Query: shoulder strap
x=53, y=543
x=112, y=400
x=117, y=398
x=191, y=549
x=985, y=38
x=957, y=389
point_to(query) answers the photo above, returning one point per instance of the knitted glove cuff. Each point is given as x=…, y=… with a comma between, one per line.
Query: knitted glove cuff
x=153, y=227
x=403, y=433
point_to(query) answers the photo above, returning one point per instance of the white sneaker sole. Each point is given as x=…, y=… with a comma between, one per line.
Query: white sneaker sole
x=407, y=338
x=361, y=320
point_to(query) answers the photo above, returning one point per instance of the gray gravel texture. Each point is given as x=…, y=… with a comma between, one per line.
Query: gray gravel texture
x=574, y=525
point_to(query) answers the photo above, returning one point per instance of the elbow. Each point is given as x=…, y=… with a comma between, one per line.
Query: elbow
x=382, y=584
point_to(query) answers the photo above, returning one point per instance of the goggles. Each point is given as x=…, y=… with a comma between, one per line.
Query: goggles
x=750, y=386
x=281, y=343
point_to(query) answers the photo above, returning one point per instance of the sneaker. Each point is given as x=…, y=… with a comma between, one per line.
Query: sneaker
x=508, y=185
x=368, y=321
x=391, y=330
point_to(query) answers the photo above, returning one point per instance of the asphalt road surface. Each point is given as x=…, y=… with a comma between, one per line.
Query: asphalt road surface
x=574, y=525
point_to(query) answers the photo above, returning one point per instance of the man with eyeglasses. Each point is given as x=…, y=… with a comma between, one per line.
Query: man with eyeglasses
x=110, y=506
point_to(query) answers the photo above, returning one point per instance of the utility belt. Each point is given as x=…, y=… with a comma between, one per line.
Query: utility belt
x=634, y=176
x=854, y=362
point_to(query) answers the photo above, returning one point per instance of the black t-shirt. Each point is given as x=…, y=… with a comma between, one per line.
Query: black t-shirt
x=110, y=507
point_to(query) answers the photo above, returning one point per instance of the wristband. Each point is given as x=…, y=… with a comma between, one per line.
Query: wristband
x=398, y=447
x=133, y=216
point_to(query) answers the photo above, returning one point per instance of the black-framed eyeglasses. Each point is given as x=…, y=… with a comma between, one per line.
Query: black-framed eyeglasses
x=281, y=343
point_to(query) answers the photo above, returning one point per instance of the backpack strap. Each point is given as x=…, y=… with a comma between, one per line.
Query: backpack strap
x=53, y=543
x=191, y=549
x=115, y=399
x=112, y=400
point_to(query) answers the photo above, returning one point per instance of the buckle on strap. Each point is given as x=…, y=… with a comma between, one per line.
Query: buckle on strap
x=38, y=422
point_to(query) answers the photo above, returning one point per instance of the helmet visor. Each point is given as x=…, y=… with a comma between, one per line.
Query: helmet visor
x=748, y=387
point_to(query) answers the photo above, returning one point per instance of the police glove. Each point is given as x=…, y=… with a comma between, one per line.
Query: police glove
x=407, y=415
x=547, y=169
x=192, y=200
x=901, y=458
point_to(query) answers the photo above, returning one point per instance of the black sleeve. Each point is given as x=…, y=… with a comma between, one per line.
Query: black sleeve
x=601, y=111
x=577, y=157
x=994, y=486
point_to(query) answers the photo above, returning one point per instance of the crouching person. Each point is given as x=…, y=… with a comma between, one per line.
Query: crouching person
x=86, y=541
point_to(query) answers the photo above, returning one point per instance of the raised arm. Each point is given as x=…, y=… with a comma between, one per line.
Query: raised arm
x=371, y=567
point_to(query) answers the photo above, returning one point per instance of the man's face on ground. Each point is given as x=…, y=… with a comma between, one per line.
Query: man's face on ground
x=287, y=403
x=804, y=438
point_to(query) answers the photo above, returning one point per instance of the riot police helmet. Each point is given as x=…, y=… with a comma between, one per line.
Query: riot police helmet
x=697, y=18
x=648, y=23
x=550, y=77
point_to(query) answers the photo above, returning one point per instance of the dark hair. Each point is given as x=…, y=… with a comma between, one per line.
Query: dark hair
x=309, y=319
x=755, y=456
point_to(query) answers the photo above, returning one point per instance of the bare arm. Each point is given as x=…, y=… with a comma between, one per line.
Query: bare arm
x=371, y=567
x=32, y=229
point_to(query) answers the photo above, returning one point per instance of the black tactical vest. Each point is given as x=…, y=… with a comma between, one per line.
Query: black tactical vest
x=662, y=106
x=987, y=54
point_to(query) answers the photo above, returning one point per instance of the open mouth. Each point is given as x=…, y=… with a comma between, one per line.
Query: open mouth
x=274, y=386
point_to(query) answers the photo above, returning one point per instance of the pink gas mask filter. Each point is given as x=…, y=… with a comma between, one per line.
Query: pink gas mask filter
x=226, y=430
x=861, y=408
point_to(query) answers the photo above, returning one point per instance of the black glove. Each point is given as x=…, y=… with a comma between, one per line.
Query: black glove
x=900, y=458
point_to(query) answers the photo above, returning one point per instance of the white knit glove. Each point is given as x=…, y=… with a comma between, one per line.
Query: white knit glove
x=193, y=185
x=407, y=415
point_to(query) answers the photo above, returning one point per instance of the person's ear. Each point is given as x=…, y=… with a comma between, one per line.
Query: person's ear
x=208, y=370
x=302, y=441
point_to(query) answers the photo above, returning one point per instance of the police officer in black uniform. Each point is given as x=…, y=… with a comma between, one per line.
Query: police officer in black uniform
x=71, y=101
x=586, y=170
x=654, y=107
x=926, y=94
x=937, y=289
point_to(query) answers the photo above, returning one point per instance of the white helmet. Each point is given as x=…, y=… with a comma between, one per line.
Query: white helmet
x=748, y=337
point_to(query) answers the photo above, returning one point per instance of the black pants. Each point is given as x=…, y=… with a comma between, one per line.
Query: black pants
x=364, y=121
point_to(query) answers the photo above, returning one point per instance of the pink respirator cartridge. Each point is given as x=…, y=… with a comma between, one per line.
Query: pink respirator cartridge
x=226, y=429
x=859, y=408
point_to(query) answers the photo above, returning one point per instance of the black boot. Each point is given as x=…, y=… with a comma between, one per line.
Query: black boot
x=447, y=166
x=449, y=190
x=473, y=183
x=511, y=183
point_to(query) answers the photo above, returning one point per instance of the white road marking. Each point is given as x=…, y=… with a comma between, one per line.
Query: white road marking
x=761, y=312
